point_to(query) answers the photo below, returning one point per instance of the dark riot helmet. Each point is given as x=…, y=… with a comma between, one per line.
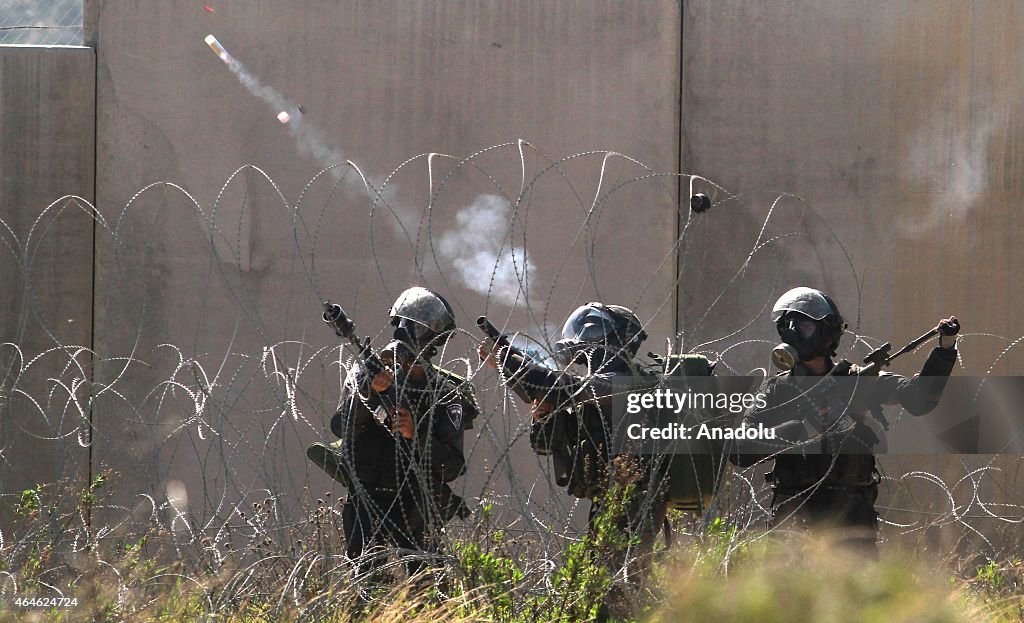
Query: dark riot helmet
x=423, y=320
x=611, y=330
x=807, y=303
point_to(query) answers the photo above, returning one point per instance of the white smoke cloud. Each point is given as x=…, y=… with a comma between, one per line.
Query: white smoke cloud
x=484, y=260
x=476, y=249
x=963, y=177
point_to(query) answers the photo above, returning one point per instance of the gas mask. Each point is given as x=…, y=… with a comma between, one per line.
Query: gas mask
x=797, y=347
x=409, y=342
x=796, y=307
x=600, y=336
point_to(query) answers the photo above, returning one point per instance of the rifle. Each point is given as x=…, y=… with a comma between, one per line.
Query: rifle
x=344, y=327
x=875, y=361
x=501, y=341
x=562, y=451
x=449, y=502
x=528, y=386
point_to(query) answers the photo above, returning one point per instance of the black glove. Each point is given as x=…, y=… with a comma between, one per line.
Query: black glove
x=948, y=329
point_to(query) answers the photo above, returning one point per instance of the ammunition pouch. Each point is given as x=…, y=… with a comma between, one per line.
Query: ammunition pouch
x=694, y=477
x=693, y=480
x=588, y=476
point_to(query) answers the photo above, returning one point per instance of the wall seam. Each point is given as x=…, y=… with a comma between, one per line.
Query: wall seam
x=677, y=321
x=92, y=302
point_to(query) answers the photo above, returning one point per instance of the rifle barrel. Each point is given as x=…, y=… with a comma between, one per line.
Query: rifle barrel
x=915, y=343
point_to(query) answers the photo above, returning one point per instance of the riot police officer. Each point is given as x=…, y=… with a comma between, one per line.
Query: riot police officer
x=401, y=436
x=572, y=412
x=827, y=475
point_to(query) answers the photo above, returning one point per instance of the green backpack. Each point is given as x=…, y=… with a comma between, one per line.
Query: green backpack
x=694, y=478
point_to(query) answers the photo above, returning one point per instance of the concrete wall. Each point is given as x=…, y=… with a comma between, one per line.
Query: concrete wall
x=871, y=150
x=380, y=83
x=46, y=146
x=897, y=124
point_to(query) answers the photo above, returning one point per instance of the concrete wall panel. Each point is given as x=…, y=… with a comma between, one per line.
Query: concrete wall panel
x=46, y=152
x=895, y=124
x=380, y=83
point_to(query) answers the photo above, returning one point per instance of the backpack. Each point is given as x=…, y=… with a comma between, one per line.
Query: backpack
x=692, y=479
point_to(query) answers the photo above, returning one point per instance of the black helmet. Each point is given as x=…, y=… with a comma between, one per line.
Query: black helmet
x=422, y=318
x=815, y=305
x=611, y=328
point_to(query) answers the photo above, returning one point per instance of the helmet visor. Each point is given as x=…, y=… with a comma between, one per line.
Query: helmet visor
x=415, y=333
x=592, y=325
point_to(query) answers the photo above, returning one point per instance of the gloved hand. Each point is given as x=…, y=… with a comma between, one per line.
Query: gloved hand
x=540, y=410
x=948, y=329
x=403, y=423
x=490, y=354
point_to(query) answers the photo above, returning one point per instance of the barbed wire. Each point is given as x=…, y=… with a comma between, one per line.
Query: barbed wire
x=205, y=416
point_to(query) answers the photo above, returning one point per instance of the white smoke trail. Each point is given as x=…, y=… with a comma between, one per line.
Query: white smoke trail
x=476, y=248
x=308, y=138
x=478, y=251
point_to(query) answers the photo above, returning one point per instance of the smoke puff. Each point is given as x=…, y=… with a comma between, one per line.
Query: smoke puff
x=478, y=251
x=958, y=170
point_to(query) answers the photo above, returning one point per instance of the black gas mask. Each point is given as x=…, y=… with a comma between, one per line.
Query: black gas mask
x=797, y=347
x=410, y=340
x=601, y=337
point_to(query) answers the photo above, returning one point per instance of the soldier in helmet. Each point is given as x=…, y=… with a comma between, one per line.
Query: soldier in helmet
x=828, y=474
x=397, y=464
x=572, y=411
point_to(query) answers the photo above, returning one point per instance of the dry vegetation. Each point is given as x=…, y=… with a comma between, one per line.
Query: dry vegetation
x=248, y=574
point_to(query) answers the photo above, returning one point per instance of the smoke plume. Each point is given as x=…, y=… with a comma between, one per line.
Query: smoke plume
x=310, y=143
x=479, y=250
x=959, y=167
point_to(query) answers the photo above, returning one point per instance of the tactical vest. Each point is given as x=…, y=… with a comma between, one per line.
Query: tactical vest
x=366, y=450
x=690, y=480
x=844, y=461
